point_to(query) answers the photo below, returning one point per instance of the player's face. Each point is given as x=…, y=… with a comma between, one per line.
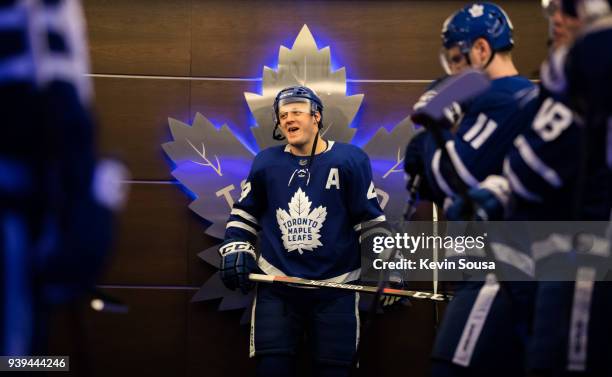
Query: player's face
x=298, y=125
x=456, y=60
x=563, y=27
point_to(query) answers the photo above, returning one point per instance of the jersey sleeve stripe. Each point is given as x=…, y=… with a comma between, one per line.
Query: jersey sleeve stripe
x=369, y=223
x=241, y=225
x=475, y=129
x=514, y=258
x=17, y=68
x=517, y=186
x=462, y=170
x=245, y=215
x=268, y=268
x=435, y=167
x=537, y=165
x=374, y=231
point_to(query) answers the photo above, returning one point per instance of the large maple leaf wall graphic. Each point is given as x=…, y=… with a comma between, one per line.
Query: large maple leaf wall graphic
x=213, y=163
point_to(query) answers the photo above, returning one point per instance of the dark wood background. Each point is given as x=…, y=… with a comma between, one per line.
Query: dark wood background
x=176, y=58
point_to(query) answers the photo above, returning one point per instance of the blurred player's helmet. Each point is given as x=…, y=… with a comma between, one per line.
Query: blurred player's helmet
x=586, y=9
x=549, y=7
x=478, y=20
x=296, y=94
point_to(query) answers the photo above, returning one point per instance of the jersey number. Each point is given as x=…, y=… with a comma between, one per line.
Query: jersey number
x=552, y=119
x=246, y=188
x=480, y=131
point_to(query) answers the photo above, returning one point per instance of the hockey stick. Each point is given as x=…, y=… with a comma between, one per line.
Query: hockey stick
x=261, y=278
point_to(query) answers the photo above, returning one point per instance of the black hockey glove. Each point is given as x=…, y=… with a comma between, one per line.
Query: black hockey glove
x=413, y=158
x=390, y=303
x=238, y=260
x=415, y=165
x=492, y=201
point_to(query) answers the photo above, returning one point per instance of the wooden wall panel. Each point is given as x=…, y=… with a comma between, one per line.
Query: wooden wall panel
x=133, y=117
x=199, y=271
x=153, y=237
x=405, y=334
x=149, y=340
x=373, y=39
x=152, y=337
x=151, y=37
x=384, y=105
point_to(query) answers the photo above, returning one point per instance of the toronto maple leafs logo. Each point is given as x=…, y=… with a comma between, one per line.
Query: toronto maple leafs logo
x=477, y=10
x=300, y=227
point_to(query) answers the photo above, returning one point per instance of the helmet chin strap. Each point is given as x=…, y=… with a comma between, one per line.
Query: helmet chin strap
x=314, y=147
x=490, y=60
x=312, y=151
x=469, y=61
x=276, y=134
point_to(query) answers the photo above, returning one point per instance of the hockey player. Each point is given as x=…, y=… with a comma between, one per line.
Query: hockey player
x=310, y=199
x=482, y=33
x=56, y=205
x=557, y=170
x=532, y=180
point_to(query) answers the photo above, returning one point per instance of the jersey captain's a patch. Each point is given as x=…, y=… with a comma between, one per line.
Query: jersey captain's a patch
x=300, y=226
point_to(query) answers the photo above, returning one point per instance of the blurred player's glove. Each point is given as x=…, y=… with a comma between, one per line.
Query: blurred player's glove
x=237, y=262
x=491, y=201
x=388, y=303
x=415, y=165
x=413, y=158
x=452, y=113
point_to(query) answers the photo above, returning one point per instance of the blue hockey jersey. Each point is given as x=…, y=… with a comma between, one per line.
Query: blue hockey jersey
x=483, y=137
x=309, y=218
x=557, y=168
x=542, y=161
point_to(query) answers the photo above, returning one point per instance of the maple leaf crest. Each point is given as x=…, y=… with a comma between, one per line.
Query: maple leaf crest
x=304, y=64
x=300, y=227
x=476, y=10
x=210, y=163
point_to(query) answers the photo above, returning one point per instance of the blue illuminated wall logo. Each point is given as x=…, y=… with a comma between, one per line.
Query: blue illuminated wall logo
x=212, y=163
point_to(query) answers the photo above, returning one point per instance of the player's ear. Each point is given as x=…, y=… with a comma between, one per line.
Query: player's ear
x=482, y=48
x=317, y=116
